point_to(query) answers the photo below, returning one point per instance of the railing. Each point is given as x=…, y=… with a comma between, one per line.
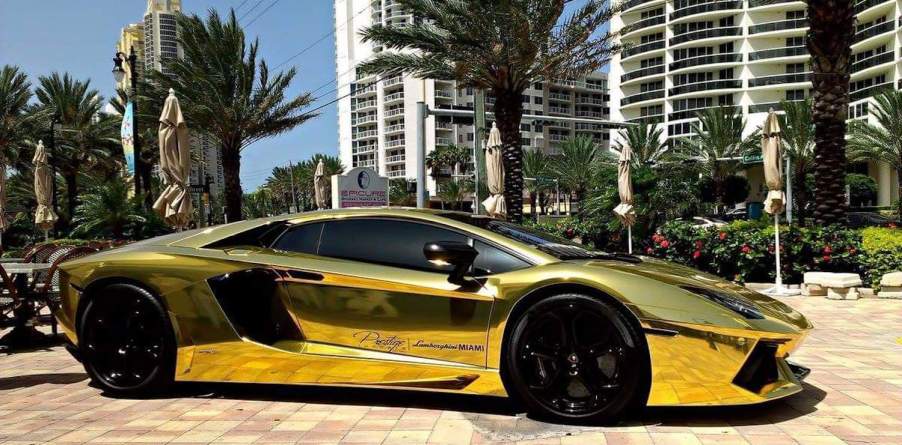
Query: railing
x=589, y=101
x=371, y=88
x=645, y=120
x=558, y=110
x=393, y=81
x=728, y=31
x=442, y=141
x=874, y=60
x=364, y=104
x=394, y=143
x=872, y=90
x=394, y=128
x=789, y=51
x=872, y=31
x=778, y=26
x=643, y=48
x=578, y=84
x=363, y=149
x=444, y=94
x=595, y=114
x=395, y=159
x=765, y=107
x=370, y=163
x=644, y=23
x=396, y=173
x=706, y=60
x=394, y=97
x=706, y=86
x=686, y=114
x=559, y=96
x=779, y=79
x=364, y=119
x=633, y=3
x=867, y=4
x=635, y=74
x=395, y=112
x=761, y=3
x=365, y=134
x=705, y=7
x=648, y=95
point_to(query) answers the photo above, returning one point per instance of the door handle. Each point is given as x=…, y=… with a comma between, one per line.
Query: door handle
x=303, y=275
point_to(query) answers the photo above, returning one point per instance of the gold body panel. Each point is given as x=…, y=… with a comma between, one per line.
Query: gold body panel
x=379, y=326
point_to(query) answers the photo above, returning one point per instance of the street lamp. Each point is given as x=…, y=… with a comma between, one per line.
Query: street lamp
x=119, y=75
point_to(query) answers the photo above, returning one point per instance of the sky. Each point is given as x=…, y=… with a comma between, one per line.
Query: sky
x=43, y=36
x=79, y=37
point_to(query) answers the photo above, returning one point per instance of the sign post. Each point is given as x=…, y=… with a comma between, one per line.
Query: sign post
x=360, y=187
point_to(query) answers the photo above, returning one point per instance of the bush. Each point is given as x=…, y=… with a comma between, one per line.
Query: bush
x=882, y=253
x=862, y=189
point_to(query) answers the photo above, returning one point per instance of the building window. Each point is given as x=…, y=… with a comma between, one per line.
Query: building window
x=795, y=95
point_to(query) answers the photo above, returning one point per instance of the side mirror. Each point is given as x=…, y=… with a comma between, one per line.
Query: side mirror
x=460, y=255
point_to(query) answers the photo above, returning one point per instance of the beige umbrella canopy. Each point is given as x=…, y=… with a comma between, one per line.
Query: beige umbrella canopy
x=624, y=210
x=319, y=185
x=174, y=203
x=44, y=217
x=773, y=165
x=494, y=170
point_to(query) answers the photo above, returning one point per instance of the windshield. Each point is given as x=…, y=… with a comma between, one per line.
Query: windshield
x=559, y=247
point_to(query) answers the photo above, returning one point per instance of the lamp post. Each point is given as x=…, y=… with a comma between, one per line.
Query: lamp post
x=119, y=75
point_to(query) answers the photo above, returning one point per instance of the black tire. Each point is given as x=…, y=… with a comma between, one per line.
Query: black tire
x=126, y=341
x=576, y=358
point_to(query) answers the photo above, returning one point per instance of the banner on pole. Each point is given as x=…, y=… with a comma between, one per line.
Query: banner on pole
x=128, y=138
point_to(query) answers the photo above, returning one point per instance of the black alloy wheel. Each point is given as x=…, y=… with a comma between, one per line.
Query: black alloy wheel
x=127, y=340
x=575, y=357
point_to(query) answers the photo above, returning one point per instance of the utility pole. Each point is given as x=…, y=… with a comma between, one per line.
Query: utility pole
x=421, y=154
x=294, y=196
x=479, y=155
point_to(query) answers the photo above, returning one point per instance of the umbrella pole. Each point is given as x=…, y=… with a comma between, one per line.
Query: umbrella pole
x=46, y=235
x=629, y=239
x=778, y=289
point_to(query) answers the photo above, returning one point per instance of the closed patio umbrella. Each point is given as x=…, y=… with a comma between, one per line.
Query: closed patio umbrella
x=494, y=169
x=772, y=152
x=174, y=203
x=44, y=216
x=319, y=185
x=624, y=210
x=3, y=223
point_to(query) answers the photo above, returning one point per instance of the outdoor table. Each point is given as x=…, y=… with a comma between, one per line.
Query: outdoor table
x=24, y=334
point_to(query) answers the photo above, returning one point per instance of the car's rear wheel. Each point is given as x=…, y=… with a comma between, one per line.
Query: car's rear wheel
x=575, y=357
x=127, y=341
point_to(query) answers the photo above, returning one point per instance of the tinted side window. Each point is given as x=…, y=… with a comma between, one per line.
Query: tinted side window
x=492, y=260
x=381, y=241
x=303, y=239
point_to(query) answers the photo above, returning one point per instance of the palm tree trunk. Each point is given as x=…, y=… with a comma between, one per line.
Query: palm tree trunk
x=508, y=113
x=800, y=196
x=71, y=178
x=231, y=172
x=532, y=206
x=831, y=24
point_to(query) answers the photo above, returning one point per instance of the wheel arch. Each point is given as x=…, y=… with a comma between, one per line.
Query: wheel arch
x=542, y=292
x=90, y=291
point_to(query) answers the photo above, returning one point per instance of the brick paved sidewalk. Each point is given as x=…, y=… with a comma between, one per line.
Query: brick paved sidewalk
x=854, y=395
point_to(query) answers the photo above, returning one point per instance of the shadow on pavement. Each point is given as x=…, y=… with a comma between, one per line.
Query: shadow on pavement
x=25, y=381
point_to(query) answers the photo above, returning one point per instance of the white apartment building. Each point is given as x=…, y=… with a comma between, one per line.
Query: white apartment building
x=687, y=55
x=158, y=44
x=377, y=116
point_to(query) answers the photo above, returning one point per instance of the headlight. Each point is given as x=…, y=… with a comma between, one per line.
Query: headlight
x=727, y=301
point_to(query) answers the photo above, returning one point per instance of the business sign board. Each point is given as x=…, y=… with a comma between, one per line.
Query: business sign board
x=360, y=187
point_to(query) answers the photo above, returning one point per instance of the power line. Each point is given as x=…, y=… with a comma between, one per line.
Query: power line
x=323, y=37
x=261, y=14
x=250, y=10
x=239, y=6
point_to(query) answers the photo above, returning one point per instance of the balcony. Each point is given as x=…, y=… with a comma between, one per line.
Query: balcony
x=444, y=126
x=363, y=105
x=766, y=107
x=873, y=61
x=643, y=48
x=779, y=79
x=394, y=97
x=584, y=100
x=393, y=81
x=873, y=90
x=705, y=7
x=630, y=4
x=686, y=114
x=789, y=51
x=364, y=119
x=394, y=112
x=641, y=97
x=396, y=159
x=724, y=84
x=646, y=120
x=873, y=31
x=361, y=90
x=644, y=23
x=644, y=72
x=558, y=110
x=363, y=149
x=592, y=114
x=763, y=3
x=781, y=25
x=559, y=96
x=366, y=134
x=443, y=141
x=394, y=143
x=706, y=60
x=367, y=163
x=709, y=33
x=391, y=129
x=867, y=4
x=444, y=94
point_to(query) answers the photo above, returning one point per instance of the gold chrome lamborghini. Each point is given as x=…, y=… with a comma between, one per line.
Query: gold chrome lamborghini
x=429, y=300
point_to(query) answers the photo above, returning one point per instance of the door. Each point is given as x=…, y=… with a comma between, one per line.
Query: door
x=364, y=283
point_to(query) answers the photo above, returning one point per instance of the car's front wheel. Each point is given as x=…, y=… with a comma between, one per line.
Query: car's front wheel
x=126, y=340
x=576, y=357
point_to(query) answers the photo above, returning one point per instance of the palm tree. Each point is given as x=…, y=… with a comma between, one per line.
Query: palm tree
x=88, y=139
x=717, y=145
x=830, y=33
x=575, y=165
x=536, y=168
x=451, y=157
x=107, y=211
x=798, y=144
x=499, y=46
x=453, y=192
x=225, y=91
x=881, y=142
x=15, y=92
x=645, y=140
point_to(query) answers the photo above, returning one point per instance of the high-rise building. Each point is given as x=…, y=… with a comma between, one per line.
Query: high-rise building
x=155, y=41
x=688, y=55
x=376, y=115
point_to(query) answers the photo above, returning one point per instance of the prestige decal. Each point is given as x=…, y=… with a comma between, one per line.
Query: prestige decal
x=393, y=343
